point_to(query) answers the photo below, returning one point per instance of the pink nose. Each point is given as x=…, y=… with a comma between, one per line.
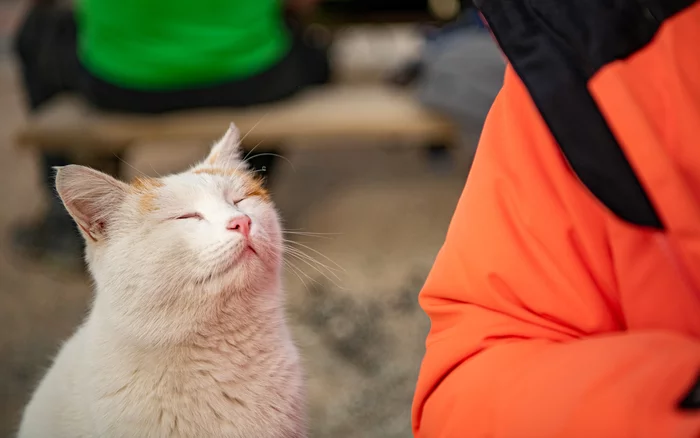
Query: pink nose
x=240, y=224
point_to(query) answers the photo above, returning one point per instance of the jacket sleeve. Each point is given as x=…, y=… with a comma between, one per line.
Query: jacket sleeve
x=527, y=339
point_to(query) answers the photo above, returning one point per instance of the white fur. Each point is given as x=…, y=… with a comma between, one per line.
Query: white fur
x=186, y=336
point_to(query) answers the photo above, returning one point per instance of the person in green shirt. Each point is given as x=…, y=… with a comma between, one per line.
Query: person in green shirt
x=154, y=56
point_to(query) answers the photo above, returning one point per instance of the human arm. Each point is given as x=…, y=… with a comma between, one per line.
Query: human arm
x=527, y=339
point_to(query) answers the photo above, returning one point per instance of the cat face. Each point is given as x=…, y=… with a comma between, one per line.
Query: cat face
x=178, y=240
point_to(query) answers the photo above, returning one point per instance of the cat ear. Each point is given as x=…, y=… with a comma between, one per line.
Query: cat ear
x=91, y=198
x=226, y=153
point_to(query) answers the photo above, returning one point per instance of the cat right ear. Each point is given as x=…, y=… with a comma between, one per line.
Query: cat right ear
x=226, y=153
x=91, y=198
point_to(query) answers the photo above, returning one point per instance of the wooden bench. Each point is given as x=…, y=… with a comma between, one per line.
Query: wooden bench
x=370, y=111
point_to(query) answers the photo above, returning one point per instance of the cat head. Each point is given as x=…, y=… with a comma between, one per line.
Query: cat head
x=173, y=247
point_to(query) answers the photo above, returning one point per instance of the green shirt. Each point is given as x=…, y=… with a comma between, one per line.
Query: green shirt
x=168, y=44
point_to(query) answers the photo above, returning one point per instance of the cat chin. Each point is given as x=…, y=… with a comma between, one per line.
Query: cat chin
x=249, y=273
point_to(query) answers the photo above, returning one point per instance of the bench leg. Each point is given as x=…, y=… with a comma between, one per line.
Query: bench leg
x=439, y=156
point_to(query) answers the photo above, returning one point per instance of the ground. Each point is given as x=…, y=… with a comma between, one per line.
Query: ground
x=361, y=334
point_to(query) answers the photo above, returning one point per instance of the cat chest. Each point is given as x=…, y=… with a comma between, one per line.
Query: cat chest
x=204, y=402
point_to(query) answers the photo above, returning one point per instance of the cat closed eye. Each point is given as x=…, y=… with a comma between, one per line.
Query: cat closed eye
x=190, y=216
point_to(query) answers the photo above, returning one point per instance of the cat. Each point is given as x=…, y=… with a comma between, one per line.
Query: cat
x=186, y=336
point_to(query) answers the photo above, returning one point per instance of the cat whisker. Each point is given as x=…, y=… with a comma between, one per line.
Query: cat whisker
x=305, y=258
x=331, y=280
x=301, y=231
x=246, y=135
x=253, y=128
x=272, y=154
x=315, y=251
x=309, y=235
x=129, y=164
x=154, y=170
x=296, y=271
x=245, y=158
x=297, y=251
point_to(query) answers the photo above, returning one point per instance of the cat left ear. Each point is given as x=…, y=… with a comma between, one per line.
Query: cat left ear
x=226, y=153
x=91, y=198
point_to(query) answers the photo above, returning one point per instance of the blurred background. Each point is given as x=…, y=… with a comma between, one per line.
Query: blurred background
x=381, y=207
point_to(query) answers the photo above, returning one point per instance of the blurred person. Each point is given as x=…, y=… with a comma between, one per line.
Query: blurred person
x=459, y=73
x=565, y=301
x=153, y=56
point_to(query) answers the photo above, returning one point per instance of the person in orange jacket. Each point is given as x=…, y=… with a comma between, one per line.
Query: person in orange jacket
x=565, y=301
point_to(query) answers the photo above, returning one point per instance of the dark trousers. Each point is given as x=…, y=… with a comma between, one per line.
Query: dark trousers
x=46, y=48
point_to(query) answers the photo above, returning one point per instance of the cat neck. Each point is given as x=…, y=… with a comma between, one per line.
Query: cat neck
x=211, y=318
x=223, y=352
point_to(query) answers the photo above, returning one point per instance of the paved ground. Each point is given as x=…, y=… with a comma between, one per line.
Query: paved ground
x=362, y=337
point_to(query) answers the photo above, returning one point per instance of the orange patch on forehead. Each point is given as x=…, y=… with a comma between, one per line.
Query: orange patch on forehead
x=146, y=184
x=252, y=184
x=216, y=171
x=147, y=203
x=254, y=187
x=146, y=188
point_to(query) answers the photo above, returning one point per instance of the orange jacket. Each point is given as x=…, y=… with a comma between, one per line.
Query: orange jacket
x=565, y=301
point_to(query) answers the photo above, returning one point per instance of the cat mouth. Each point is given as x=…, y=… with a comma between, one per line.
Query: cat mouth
x=250, y=250
x=232, y=263
x=247, y=251
x=238, y=260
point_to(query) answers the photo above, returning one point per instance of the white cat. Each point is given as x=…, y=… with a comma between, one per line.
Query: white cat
x=187, y=335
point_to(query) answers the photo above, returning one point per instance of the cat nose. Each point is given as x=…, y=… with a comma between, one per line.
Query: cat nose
x=240, y=224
